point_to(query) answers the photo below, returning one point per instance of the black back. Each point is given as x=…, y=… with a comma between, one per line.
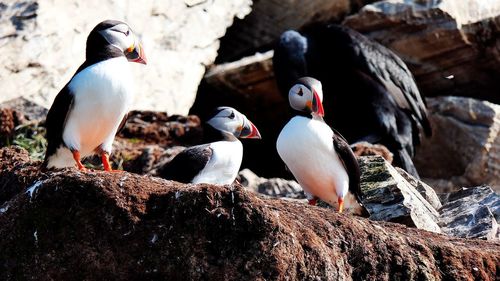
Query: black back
x=369, y=93
x=187, y=164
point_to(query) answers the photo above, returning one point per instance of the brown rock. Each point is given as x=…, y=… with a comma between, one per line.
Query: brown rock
x=450, y=46
x=159, y=128
x=123, y=226
x=7, y=125
x=369, y=149
x=465, y=146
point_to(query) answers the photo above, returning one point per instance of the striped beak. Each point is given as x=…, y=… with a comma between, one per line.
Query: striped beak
x=249, y=131
x=135, y=53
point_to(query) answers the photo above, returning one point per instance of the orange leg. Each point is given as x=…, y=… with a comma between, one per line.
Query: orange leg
x=76, y=156
x=341, y=205
x=106, y=164
x=313, y=201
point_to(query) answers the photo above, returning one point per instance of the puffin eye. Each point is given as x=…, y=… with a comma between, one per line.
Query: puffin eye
x=127, y=33
x=231, y=116
x=300, y=93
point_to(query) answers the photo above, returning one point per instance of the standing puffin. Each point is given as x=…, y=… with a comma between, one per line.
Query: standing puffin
x=89, y=110
x=219, y=160
x=319, y=157
x=369, y=89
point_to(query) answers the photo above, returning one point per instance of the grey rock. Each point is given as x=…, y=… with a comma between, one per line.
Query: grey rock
x=388, y=196
x=43, y=42
x=450, y=46
x=464, y=149
x=30, y=110
x=471, y=213
x=425, y=190
x=275, y=187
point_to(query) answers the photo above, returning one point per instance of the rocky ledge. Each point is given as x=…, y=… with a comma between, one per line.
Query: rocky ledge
x=121, y=226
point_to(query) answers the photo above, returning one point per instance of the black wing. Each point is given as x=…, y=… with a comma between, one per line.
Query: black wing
x=385, y=66
x=350, y=162
x=187, y=164
x=56, y=120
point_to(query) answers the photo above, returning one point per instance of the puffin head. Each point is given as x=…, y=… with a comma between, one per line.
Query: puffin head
x=118, y=35
x=230, y=120
x=307, y=96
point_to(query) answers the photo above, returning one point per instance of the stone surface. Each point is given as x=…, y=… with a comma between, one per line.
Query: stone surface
x=43, y=43
x=450, y=46
x=275, y=187
x=425, y=190
x=122, y=226
x=28, y=109
x=270, y=18
x=471, y=213
x=465, y=147
x=390, y=197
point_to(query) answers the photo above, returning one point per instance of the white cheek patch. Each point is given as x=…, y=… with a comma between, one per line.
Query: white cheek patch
x=298, y=101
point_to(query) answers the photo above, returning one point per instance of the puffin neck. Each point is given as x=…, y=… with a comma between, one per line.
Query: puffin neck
x=303, y=114
x=210, y=134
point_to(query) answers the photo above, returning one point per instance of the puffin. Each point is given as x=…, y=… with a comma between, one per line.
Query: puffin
x=89, y=110
x=218, y=160
x=318, y=156
x=371, y=93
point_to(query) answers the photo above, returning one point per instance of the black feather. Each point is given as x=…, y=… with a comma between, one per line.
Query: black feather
x=187, y=164
x=56, y=120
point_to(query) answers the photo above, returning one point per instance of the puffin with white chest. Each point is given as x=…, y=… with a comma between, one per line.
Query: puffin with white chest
x=319, y=157
x=217, y=161
x=90, y=109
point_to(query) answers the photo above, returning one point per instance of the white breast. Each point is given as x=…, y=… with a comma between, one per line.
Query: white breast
x=306, y=147
x=224, y=165
x=103, y=93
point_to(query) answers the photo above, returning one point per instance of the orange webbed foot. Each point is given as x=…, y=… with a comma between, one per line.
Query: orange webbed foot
x=76, y=156
x=107, y=165
x=341, y=205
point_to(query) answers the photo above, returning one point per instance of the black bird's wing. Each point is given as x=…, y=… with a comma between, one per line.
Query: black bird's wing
x=351, y=165
x=187, y=164
x=56, y=120
x=386, y=67
x=349, y=161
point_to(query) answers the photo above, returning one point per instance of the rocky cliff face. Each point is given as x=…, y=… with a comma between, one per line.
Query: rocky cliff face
x=466, y=133
x=451, y=47
x=43, y=43
x=121, y=226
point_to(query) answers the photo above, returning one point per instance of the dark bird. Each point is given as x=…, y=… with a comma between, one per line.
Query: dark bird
x=371, y=94
x=219, y=160
x=319, y=157
x=88, y=111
